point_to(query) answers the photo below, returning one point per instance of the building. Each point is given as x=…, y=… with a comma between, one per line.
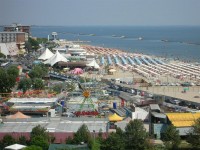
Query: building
x=17, y=27
x=9, y=49
x=60, y=128
x=159, y=121
x=18, y=37
x=33, y=106
x=76, y=50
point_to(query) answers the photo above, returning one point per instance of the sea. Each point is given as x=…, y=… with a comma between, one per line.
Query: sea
x=173, y=42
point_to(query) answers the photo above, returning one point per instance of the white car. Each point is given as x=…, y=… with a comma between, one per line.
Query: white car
x=192, y=84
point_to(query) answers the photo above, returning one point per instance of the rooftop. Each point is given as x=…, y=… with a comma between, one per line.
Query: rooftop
x=53, y=124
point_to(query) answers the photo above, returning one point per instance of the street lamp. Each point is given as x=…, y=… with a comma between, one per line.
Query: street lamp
x=94, y=134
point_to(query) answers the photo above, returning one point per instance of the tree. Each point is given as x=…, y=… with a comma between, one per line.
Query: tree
x=70, y=87
x=33, y=147
x=34, y=43
x=69, y=140
x=40, y=141
x=171, y=137
x=38, y=71
x=7, y=81
x=2, y=55
x=13, y=70
x=57, y=88
x=39, y=131
x=28, y=46
x=82, y=135
x=22, y=140
x=194, y=135
x=8, y=140
x=40, y=137
x=25, y=84
x=136, y=137
x=115, y=141
x=38, y=84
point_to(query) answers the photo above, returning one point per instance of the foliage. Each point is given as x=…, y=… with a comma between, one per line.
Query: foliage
x=82, y=135
x=13, y=70
x=194, y=135
x=69, y=140
x=7, y=81
x=57, y=88
x=42, y=40
x=96, y=144
x=33, y=147
x=39, y=131
x=38, y=84
x=34, y=43
x=24, y=84
x=28, y=46
x=83, y=80
x=51, y=45
x=171, y=137
x=114, y=141
x=40, y=137
x=2, y=55
x=8, y=140
x=38, y=71
x=22, y=140
x=40, y=141
x=70, y=87
x=135, y=136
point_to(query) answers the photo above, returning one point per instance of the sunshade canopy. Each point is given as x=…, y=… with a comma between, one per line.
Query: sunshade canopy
x=115, y=117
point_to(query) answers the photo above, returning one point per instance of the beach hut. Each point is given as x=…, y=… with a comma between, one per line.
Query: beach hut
x=114, y=117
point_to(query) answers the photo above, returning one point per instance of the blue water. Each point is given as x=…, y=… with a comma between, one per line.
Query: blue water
x=183, y=42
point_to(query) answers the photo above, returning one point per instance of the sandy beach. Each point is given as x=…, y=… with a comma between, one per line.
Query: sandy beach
x=168, y=77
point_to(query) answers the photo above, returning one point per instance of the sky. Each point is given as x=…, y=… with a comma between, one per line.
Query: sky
x=100, y=12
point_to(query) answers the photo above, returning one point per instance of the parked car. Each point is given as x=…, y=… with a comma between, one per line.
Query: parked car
x=186, y=84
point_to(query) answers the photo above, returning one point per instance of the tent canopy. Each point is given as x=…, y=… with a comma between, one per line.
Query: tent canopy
x=94, y=64
x=18, y=115
x=115, y=117
x=15, y=147
x=46, y=54
x=57, y=57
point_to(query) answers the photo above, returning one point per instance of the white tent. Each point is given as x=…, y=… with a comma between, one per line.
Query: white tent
x=93, y=64
x=15, y=147
x=56, y=58
x=46, y=54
